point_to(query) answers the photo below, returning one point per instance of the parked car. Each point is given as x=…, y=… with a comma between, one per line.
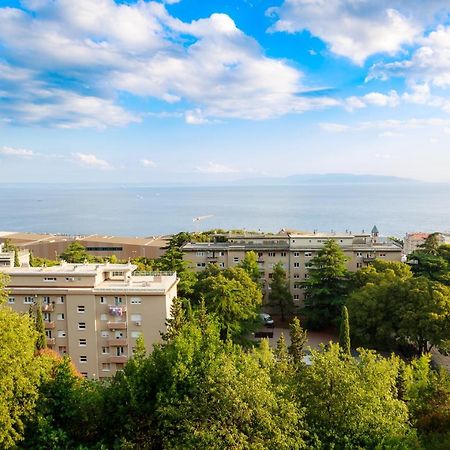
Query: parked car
x=267, y=320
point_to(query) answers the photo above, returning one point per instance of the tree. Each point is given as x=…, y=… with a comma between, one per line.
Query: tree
x=299, y=338
x=250, y=265
x=41, y=340
x=344, y=333
x=232, y=297
x=280, y=296
x=431, y=244
x=175, y=322
x=75, y=253
x=16, y=258
x=351, y=403
x=327, y=285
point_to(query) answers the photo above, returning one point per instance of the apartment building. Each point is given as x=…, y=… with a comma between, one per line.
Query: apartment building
x=7, y=258
x=413, y=241
x=95, y=312
x=293, y=249
x=49, y=246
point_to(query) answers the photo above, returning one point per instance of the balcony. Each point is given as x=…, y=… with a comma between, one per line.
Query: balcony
x=117, y=311
x=117, y=325
x=369, y=258
x=51, y=341
x=49, y=325
x=48, y=307
x=122, y=342
x=118, y=359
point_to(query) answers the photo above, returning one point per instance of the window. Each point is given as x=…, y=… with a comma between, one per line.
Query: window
x=81, y=308
x=222, y=265
x=297, y=264
x=61, y=333
x=105, y=334
x=201, y=264
x=306, y=276
x=50, y=279
x=296, y=296
x=120, y=351
x=105, y=350
x=270, y=275
x=28, y=300
x=221, y=253
x=359, y=254
x=104, y=249
x=272, y=254
x=200, y=253
x=46, y=300
x=62, y=349
x=296, y=286
x=102, y=300
x=359, y=265
x=46, y=316
x=283, y=253
x=81, y=325
x=296, y=254
x=103, y=317
x=308, y=254
x=236, y=259
x=83, y=359
x=117, y=274
x=48, y=333
x=296, y=275
x=135, y=301
x=382, y=255
x=136, y=334
x=61, y=300
x=105, y=367
x=84, y=374
x=117, y=300
x=136, y=317
x=82, y=342
x=70, y=278
x=60, y=316
x=11, y=300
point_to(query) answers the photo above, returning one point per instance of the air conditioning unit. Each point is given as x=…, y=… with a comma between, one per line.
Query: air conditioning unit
x=138, y=323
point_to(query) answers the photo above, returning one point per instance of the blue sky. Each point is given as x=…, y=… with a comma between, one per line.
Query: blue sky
x=222, y=90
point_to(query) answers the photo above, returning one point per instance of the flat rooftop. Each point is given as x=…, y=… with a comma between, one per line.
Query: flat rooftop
x=70, y=269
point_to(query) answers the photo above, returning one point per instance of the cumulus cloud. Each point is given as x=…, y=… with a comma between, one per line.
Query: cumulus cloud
x=215, y=168
x=72, y=60
x=147, y=163
x=90, y=160
x=359, y=29
x=392, y=99
x=16, y=152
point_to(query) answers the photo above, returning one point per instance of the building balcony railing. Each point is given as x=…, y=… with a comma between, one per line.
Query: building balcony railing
x=369, y=258
x=117, y=325
x=122, y=342
x=118, y=359
x=49, y=325
x=48, y=307
x=51, y=341
x=117, y=311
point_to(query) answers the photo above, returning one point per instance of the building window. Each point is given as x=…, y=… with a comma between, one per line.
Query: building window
x=296, y=264
x=200, y=253
x=82, y=342
x=236, y=259
x=221, y=253
x=11, y=300
x=136, y=318
x=382, y=255
x=222, y=265
x=283, y=253
x=296, y=254
x=48, y=333
x=136, y=334
x=296, y=296
x=104, y=249
x=83, y=359
x=308, y=254
x=272, y=254
x=201, y=264
x=81, y=325
x=106, y=367
x=46, y=316
x=270, y=275
x=61, y=333
x=306, y=276
x=359, y=265
x=117, y=274
x=359, y=254
x=105, y=350
x=28, y=300
x=61, y=300
x=62, y=349
x=81, y=308
x=84, y=374
x=103, y=317
x=296, y=275
x=50, y=279
x=105, y=334
x=102, y=300
x=117, y=300
x=70, y=279
x=46, y=300
x=60, y=316
x=296, y=286
x=135, y=301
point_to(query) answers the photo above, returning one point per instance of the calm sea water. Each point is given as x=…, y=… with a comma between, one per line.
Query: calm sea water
x=143, y=211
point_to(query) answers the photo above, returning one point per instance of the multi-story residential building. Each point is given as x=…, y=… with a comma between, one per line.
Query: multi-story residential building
x=7, y=258
x=293, y=249
x=51, y=245
x=95, y=312
x=413, y=241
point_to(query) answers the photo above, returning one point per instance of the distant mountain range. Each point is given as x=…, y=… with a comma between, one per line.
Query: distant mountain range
x=329, y=178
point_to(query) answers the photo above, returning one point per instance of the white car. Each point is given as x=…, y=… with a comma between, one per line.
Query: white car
x=267, y=320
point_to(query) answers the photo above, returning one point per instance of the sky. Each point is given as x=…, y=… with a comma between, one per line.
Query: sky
x=223, y=90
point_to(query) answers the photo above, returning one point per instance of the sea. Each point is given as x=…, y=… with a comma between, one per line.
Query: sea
x=138, y=210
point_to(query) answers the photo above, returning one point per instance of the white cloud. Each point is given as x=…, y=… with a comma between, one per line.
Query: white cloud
x=147, y=163
x=90, y=160
x=215, y=168
x=100, y=48
x=392, y=99
x=358, y=29
x=18, y=152
x=334, y=127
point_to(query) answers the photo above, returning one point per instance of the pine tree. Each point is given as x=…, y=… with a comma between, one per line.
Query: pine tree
x=344, y=333
x=41, y=341
x=176, y=322
x=280, y=296
x=299, y=338
x=281, y=351
x=16, y=258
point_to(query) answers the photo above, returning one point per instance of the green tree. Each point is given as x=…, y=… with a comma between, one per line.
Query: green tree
x=19, y=374
x=175, y=322
x=41, y=340
x=344, y=333
x=75, y=253
x=280, y=296
x=232, y=297
x=299, y=337
x=8, y=246
x=16, y=258
x=351, y=403
x=327, y=285
x=250, y=265
x=431, y=244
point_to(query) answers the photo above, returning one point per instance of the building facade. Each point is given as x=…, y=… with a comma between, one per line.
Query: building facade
x=7, y=258
x=95, y=312
x=413, y=241
x=293, y=249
